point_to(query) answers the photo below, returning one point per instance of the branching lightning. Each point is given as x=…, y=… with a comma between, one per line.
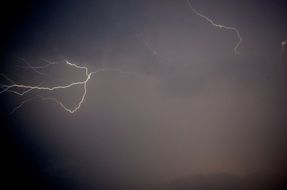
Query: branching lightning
x=22, y=89
x=220, y=26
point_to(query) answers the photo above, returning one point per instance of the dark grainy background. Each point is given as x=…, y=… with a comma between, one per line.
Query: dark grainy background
x=196, y=117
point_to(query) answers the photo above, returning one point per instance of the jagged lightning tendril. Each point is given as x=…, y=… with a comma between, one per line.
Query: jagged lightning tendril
x=220, y=26
x=15, y=87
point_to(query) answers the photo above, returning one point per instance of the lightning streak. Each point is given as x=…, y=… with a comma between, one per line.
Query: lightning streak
x=22, y=89
x=21, y=104
x=15, y=87
x=29, y=66
x=220, y=26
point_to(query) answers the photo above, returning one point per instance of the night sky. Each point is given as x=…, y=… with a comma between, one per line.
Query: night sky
x=173, y=107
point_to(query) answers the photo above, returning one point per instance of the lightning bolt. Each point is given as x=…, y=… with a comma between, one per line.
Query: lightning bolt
x=220, y=26
x=28, y=65
x=22, y=89
x=21, y=104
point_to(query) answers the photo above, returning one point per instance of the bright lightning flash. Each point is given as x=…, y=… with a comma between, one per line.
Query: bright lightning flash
x=220, y=26
x=22, y=89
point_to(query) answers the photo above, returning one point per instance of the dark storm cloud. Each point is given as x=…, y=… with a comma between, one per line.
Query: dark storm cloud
x=192, y=107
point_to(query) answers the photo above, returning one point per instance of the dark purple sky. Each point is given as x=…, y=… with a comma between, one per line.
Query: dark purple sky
x=190, y=107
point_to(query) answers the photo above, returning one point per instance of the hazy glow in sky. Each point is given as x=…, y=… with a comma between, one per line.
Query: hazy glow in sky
x=146, y=92
x=28, y=88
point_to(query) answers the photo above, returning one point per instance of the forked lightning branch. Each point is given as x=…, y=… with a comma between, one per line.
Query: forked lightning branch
x=23, y=89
